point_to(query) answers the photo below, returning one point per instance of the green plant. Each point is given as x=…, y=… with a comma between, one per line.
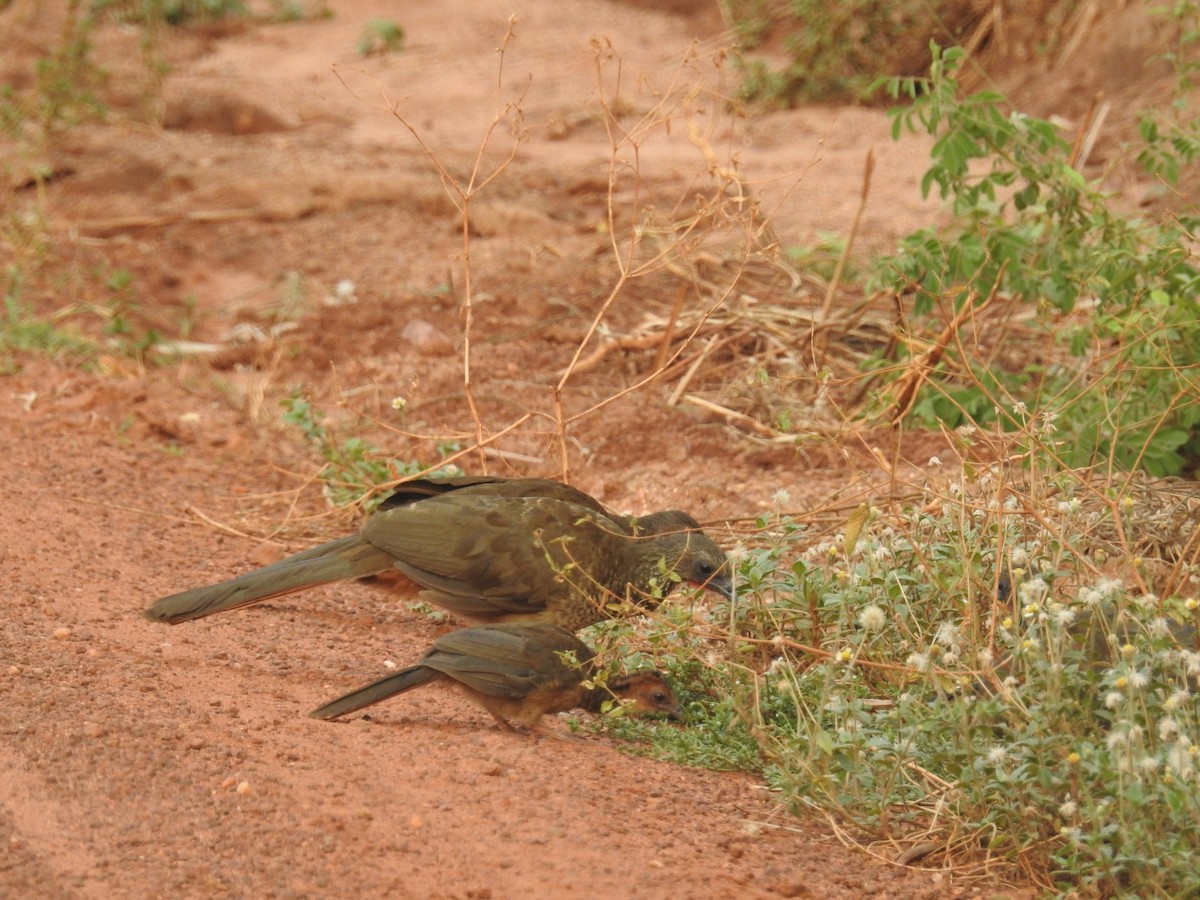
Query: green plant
x=353, y=467
x=65, y=89
x=1171, y=135
x=1028, y=229
x=958, y=674
x=838, y=51
x=21, y=330
x=381, y=36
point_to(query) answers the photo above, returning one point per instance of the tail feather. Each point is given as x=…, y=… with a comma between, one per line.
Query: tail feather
x=376, y=691
x=349, y=557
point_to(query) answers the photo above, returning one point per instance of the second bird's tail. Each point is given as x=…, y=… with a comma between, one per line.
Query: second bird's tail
x=388, y=686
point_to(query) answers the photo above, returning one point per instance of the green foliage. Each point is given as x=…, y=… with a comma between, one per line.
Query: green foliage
x=170, y=12
x=353, y=467
x=836, y=51
x=66, y=83
x=821, y=257
x=1052, y=725
x=1172, y=135
x=1028, y=228
x=21, y=330
x=381, y=36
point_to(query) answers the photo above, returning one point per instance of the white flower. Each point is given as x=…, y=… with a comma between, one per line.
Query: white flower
x=1148, y=764
x=1068, y=809
x=1116, y=739
x=1176, y=700
x=872, y=618
x=1033, y=591
x=1019, y=556
x=1064, y=617
x=934, y=461
x=1180, y=759
x=997, y=755
x=1069, y=506
x=1090, y=597
x=919, y=661
x=1109, y=586
x=1160, y=627
x=781, y=497
x=947, y=634
x=778, y=666
x=1113, y=699
x=1168, y=729
x=1138, y=679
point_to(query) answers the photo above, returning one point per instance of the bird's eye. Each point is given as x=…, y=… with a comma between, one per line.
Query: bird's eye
x=705, y=569
x=658, y=697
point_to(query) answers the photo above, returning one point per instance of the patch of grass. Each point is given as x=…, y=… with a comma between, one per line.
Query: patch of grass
x=381, y=36
x=959, y=672
x=354, y=469
x=22, y=331
x=1003, y=668
x=838, y=51
x=66, y=86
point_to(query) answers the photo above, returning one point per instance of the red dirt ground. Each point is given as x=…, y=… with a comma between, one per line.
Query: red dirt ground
x=139, y=760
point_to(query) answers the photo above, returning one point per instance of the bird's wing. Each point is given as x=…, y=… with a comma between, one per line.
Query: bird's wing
x=508, y=661
x=506, y=551
x=489, y=486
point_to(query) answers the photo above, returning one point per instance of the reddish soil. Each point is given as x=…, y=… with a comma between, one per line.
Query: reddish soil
x=139, y=760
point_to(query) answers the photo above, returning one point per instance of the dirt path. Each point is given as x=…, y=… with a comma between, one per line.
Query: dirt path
x=141, y=761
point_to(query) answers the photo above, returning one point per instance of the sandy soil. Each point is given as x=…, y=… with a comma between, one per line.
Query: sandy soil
x=139, y=760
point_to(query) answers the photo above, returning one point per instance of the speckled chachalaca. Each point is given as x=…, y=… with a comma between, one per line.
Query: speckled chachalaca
x=518, y=673
x=507, y=550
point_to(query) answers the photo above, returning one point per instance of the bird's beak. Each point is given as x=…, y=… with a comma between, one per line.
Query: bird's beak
x=720, y=584
x=676, y=714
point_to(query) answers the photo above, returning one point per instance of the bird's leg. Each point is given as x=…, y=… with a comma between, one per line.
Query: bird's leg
x=504, y=724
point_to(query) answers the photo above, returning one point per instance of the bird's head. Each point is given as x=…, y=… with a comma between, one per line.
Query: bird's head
x=646, y=692
x=687, y=552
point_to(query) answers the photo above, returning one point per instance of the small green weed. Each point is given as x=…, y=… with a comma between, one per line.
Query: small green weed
x=381, y=36
x=353, y=467
x=21, y=330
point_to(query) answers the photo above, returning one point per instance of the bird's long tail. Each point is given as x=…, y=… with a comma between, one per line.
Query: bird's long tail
x=388, y=686
x=349, y=557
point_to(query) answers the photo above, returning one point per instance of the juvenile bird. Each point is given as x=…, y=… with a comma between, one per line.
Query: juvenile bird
x=518, y=673
x=509, y=550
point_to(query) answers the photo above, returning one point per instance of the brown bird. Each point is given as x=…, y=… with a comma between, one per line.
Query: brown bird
x=518, y=673
x=511, y=550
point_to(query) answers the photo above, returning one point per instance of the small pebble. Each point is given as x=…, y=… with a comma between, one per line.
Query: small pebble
x=61, y=634
x=243, y=787
x=92, y=729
